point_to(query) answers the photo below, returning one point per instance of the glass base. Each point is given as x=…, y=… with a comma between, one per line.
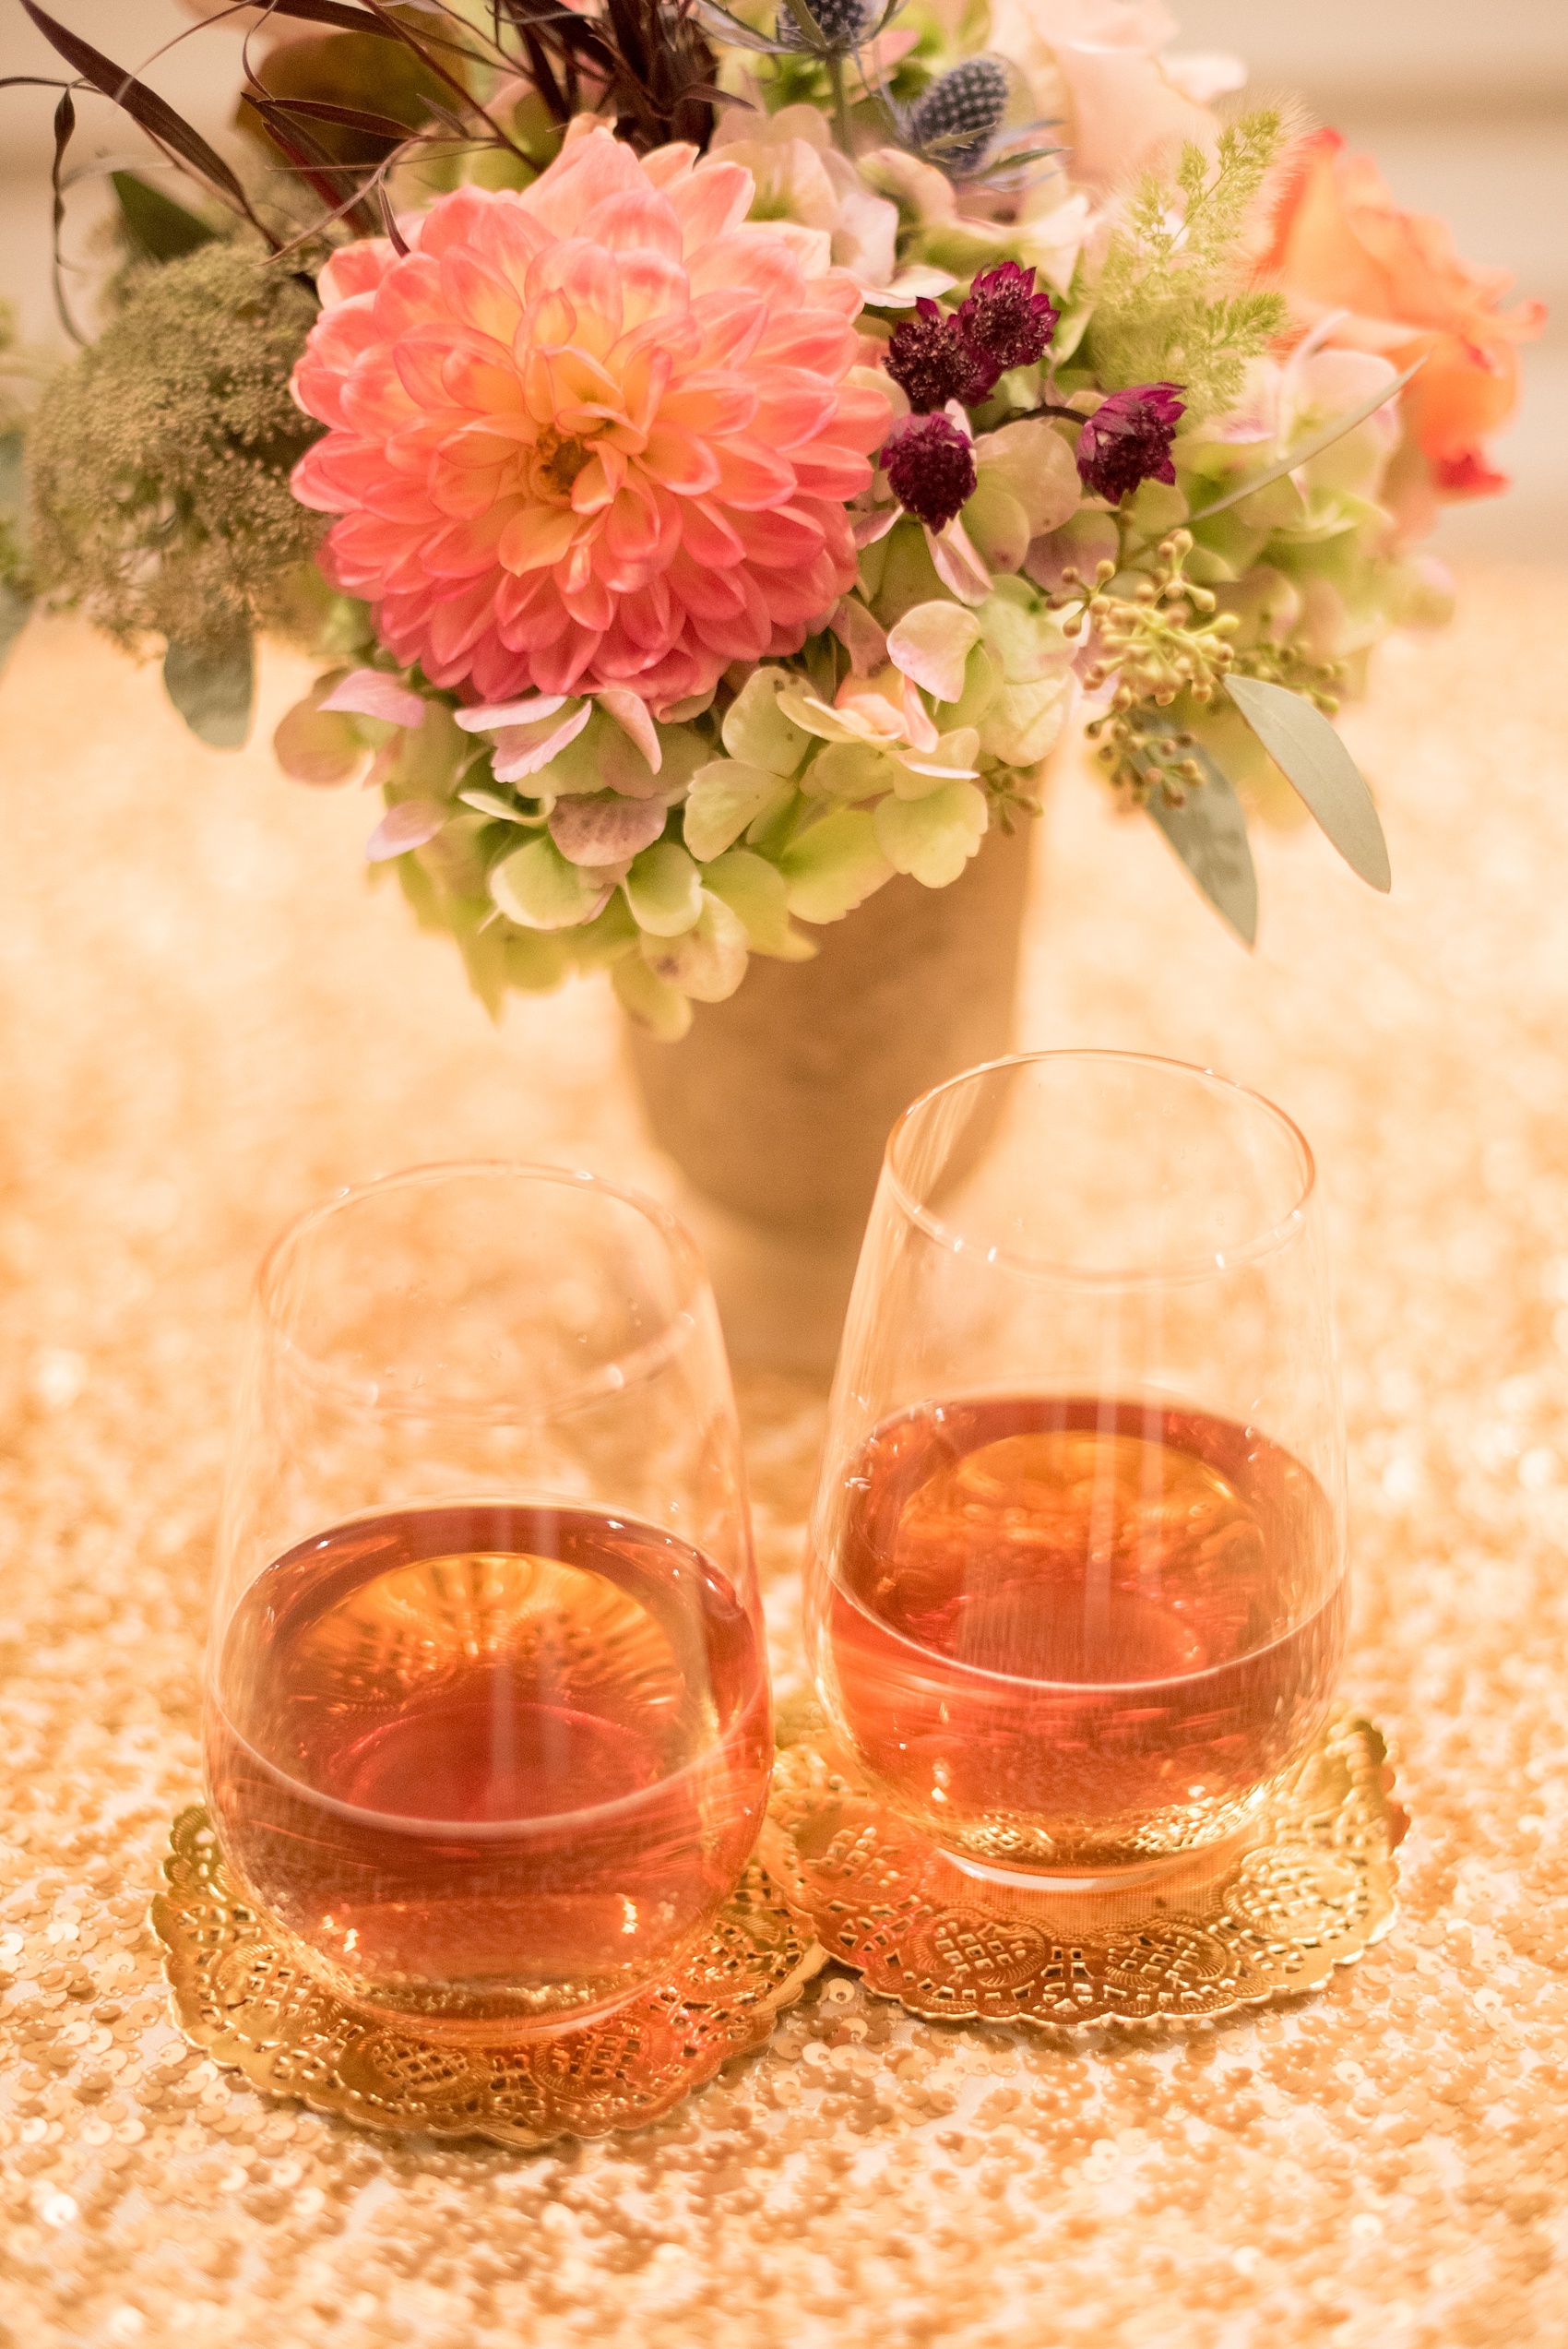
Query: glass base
x=1165, y=1872
x=242, y=1997
x=1306, y=1886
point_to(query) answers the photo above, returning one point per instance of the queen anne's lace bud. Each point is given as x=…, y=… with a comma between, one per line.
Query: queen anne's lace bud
x=956, y=119
x=930, y=468
x=843, y=24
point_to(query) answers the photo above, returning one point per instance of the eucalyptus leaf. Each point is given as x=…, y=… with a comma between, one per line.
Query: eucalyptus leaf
x=1308, y=448
x=157, y=226
x=1208, y=832
x=213, y=687
x=1305, y=748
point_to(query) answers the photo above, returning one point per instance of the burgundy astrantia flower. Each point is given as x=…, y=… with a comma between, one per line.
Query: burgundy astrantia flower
x=1127, y=440
x=931, y=360
x=931, y=466
x=1005, y=320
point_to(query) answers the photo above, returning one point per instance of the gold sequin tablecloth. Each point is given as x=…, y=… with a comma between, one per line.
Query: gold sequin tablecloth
x=208, y=1020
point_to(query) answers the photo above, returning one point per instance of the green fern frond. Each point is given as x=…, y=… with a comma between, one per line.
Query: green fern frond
x=1172, y=303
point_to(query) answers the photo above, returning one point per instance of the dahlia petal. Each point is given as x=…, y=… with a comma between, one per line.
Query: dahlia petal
x=714, y=595
x=682, y=461
x=375, y=403
x=777, y=536
x=863, y=418
x=588, y=601
x=652, y=287
x=313, y=480
x=827, y=472
x=792, y=407
x=354, y=269
x=418, y=358
x=536, y=536
x=585, y=171
x=459, y=219
x=715, y=402
x=709, y=535
x=814, y=340
x=337, y=340
x=529, y=612
x=731, y=321
x=668, y=166
x=713, y=199
x=753, y=256
x=497, y=668
x=455, y=626
x=645, y=371
x=600, y=481
x=510, y=239
x=751, y=475
x=585, y=276
x=645, y=616
x=571, y=380
x=632, y=525
x=636, y=221
x=477, y=295
x=461, y=491
x=409, y=295
x=483, y=378
x=560, y=666
x=463, y=549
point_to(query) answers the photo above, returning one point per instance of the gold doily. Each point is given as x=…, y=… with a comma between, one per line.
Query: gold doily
x=240, y=1994
x=1315, y=1887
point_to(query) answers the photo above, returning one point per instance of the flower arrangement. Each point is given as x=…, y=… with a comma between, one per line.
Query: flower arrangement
x=709, y=448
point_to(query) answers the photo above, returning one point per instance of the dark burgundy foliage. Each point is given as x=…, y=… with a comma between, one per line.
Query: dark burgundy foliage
x=930, y=467
x=1127, y=440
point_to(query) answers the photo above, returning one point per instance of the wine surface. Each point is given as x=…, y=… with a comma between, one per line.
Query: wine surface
x=1071, y=1633
x=490, y=1761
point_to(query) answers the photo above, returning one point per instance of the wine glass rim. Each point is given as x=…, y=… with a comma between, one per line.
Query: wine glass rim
x=612, y=1377
x=1262, y=1243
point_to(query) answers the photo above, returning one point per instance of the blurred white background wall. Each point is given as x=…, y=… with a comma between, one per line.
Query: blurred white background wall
x=1463, y=102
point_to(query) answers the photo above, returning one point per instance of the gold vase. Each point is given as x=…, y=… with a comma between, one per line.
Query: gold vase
x=776, y=1104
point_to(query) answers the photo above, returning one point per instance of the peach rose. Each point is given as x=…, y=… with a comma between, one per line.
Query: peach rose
x=1341, y=244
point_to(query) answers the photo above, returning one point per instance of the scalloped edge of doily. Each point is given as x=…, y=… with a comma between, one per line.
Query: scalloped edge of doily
x=1359, y=1834
x=197, y=1903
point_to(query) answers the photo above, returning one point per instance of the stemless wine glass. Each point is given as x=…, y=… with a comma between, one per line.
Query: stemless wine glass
x=487, y=1717
x=1077, y=1596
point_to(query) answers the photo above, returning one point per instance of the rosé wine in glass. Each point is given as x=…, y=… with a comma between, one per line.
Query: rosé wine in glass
x=1076, y=1596
x=1052, y=1630
x=488, y=1728
x=490, y=1747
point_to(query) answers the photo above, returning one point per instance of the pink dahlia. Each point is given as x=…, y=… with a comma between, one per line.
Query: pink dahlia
x=595, y=434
